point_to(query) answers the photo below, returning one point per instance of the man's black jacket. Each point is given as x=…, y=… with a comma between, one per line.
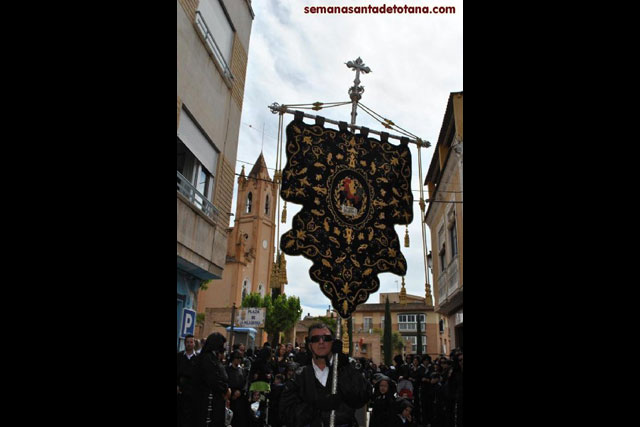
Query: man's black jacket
x=185, y=369
x=302, y=396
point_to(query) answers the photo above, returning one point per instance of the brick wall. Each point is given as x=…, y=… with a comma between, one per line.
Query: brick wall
x=238, y=69
x=190, y=7
x=224, y=191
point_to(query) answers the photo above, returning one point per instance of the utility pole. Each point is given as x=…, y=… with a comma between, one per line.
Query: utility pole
x=233, y=320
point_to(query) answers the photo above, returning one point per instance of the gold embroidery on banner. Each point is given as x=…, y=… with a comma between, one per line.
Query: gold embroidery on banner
x=361, y=189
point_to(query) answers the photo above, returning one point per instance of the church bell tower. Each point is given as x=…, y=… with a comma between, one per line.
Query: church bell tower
x=253, y=234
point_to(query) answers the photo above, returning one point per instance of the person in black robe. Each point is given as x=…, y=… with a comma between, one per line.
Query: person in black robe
x=403, y=417
x=307, y=399
x=238, y=384
x=274, y=400
x=382, y=402
x=210, y=383
x=261, y=369
x=434, y=413
x=186, y=363
x=416, y=372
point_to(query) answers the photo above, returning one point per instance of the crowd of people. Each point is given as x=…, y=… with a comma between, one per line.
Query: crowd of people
x=239, y=387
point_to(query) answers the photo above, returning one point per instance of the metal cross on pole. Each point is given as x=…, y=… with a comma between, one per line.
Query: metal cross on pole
x=355, y=91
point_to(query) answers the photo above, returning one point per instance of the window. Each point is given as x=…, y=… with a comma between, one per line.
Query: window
x=216, y=30
x=204, y=183
x=261, y=289
x=368, y=323
x=194, y=172
x=413, y=339
x=407, y=322
x=363, y=349
x=442, y=253
x=453, y=236
x=249, y=201
x=197, y=160
x=266, y=206
x=245, y=288
x=197, y=142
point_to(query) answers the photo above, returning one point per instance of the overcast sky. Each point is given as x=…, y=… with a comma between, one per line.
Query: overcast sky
x=298, y=58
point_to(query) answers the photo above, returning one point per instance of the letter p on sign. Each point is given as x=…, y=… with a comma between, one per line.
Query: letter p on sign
x=188, y=322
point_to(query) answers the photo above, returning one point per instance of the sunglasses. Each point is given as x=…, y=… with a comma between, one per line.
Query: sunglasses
x=325, y=338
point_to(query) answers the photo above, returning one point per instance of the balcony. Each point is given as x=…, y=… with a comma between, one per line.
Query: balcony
x=449, y=289
x=359, y=328
x=202, y=243
x=194, y=196
x=212, y=47
x=442, y=286
x=453, y=278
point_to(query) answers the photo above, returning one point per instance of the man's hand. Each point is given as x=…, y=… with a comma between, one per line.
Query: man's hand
x=236, y=394
x=227, y=394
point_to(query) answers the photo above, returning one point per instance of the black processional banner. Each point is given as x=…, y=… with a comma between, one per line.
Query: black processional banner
x=353, y=190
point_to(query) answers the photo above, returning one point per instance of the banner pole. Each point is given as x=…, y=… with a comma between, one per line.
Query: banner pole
x=334, y=383
x=282, y=109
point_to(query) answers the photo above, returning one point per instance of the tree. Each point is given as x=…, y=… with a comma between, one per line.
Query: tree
x=282, y=313
x=254, y=300
x=397, y=343
x=285, y=313
x=200, y=319
x=386, y=345
x=329, y=321
x=419, y=338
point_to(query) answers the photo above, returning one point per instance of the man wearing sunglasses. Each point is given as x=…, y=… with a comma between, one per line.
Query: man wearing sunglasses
x=307, y=400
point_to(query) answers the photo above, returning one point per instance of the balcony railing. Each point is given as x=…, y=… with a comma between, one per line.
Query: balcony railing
x=359, y=328
x=212, y=45
x=453, y=276
x=442, y=287
x=194, y=196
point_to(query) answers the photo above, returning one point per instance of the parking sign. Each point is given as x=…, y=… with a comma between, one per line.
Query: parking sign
x=188, y=322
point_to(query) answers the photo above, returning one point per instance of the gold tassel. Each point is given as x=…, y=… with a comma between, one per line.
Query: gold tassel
x=284, y=213
x=406, y=238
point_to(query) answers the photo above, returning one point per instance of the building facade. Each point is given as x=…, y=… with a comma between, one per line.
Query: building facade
x=406, y=310
x=212, y=45
x=444, y=219
x=250, y=252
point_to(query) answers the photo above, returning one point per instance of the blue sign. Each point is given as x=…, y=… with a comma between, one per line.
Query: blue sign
x=188, y=322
